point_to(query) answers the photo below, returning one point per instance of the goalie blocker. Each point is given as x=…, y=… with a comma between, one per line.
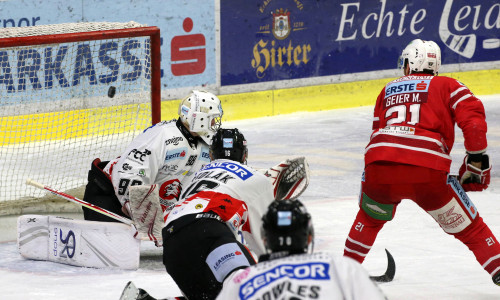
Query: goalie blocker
x=77, y=242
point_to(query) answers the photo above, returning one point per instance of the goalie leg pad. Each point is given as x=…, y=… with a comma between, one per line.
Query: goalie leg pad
x=77, y=242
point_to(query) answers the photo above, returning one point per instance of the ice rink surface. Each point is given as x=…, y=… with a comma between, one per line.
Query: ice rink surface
x=429, y=263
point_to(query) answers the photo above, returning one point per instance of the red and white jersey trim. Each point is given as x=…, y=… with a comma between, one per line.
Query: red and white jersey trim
x=408, y=148
x=461, y=99
x=416, y=137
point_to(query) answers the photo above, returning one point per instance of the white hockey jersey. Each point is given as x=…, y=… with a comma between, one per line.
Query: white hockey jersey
x=165, y=154
x=305, y=276
x=250, y=191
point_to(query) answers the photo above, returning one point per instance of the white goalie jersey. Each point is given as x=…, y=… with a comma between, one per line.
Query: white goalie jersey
x=306, y=276
x=165, y=154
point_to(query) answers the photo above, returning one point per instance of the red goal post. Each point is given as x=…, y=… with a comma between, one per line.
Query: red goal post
x=70, y=93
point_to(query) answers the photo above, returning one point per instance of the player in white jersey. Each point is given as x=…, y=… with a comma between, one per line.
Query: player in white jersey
x=202, y=244
x=167, y=154
x=288, y=272
x=201, y=241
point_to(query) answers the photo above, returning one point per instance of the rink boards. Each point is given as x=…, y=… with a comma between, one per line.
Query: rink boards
x=236, y=107
x=325, y=97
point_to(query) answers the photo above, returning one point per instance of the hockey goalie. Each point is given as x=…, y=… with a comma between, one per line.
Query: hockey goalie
x=117, y=244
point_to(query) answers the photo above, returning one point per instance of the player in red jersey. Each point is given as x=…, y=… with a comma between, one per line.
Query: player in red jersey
x=408, y=157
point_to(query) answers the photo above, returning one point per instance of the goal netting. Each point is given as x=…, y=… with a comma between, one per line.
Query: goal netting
x=70, y=93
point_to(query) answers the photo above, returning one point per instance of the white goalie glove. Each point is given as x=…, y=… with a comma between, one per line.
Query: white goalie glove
x=290, y=178
x=146, y=212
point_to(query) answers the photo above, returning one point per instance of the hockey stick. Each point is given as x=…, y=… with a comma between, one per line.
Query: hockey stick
x=80, y=202
x=131, y=292
x=388, y=276
x=461, y=194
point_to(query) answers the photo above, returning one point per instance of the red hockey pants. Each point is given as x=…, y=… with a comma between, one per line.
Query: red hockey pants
x=386, y=184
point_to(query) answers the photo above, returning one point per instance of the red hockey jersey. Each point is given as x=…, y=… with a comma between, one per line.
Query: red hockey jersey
x=414, y=121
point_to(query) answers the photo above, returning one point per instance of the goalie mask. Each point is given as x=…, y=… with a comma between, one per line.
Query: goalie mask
x=287, y=226
x=422, y=56
x=202, y=112
x=229, y=144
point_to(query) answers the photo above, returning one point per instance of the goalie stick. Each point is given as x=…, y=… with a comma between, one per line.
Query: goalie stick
x=388, y=276
x=139, y=226
x=79, y=202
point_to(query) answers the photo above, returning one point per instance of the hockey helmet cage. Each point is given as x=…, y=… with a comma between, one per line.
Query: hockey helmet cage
x=229, y=144
x=202, y=112
x=287, y=226
x=421, y=56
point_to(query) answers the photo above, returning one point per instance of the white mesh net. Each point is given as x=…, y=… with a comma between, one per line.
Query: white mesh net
x=9, y=32
x=62, y=105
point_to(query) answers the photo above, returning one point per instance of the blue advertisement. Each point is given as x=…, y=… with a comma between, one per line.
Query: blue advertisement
x=187, y=29
x=269, y=40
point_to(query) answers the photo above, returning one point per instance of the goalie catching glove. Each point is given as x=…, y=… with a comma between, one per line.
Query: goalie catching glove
x=290, y=178
x=473, y=178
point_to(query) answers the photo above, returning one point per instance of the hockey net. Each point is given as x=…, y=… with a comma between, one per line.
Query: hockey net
x=70, y=93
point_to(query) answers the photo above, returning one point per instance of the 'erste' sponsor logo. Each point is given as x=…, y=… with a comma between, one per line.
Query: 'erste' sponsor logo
x=175, y=154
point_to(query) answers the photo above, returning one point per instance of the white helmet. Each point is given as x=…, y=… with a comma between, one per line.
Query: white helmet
x=202, y=112
x=422, y=56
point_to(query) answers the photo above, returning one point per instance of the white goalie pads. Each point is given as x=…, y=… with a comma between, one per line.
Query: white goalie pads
x=290, y=178
x=146, y=212
x=78, y=242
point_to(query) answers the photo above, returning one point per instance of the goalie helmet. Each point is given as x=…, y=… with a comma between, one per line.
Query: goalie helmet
x=287, y=226
x=229, y=144
x=421, y=56
x=202, y=112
